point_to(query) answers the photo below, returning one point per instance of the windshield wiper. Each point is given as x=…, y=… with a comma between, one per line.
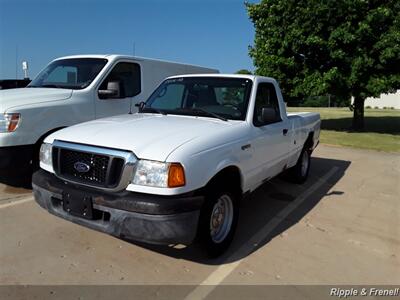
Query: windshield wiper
x=209, y=113
x=152, y=110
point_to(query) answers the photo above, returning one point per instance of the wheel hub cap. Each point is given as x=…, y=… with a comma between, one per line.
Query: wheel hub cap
x=221, y=219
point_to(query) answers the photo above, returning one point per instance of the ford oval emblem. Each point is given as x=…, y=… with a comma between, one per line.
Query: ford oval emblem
x=81, y=167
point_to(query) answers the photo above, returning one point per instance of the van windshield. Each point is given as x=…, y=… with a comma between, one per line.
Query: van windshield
x=72, y=73
x=223, y=98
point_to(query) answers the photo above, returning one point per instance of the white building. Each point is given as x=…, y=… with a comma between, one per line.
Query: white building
x=385, y=100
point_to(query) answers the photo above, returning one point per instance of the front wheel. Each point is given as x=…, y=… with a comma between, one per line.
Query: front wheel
x=218, y=222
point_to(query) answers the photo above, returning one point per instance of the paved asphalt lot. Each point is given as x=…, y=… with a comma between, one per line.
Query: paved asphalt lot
x=341, y=227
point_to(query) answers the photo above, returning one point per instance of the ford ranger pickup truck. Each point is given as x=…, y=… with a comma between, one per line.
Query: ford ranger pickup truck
x=72, y=90
x=176, y=169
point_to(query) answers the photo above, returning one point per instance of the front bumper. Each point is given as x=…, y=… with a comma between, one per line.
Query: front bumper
x=16, y=156
x=134, y=216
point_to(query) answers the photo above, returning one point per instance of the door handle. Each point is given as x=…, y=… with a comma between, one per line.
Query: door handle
x=285, y=131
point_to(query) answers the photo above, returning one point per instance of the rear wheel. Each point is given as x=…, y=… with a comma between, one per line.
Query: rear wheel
x=299, y=172
x=218, y=221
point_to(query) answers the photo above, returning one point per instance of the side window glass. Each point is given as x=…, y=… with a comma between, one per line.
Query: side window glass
x=127, y=76
x=266, y=109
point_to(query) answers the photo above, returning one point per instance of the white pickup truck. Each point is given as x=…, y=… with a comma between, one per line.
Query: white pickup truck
x=75, y=89
x=177, y=168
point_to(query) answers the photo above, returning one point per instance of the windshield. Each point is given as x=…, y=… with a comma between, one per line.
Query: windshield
x=73, y=73
x=224, y=98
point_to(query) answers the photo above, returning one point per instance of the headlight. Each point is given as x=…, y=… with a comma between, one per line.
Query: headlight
x=46, y=154
x=159, y=174
x=9, y=122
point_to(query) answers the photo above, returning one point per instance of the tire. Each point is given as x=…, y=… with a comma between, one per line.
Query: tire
x=299, y=173
x=218, y=221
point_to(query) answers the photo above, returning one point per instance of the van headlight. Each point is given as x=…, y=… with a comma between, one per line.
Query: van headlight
x=159, y=174
x=45, y=155
x=9, y=122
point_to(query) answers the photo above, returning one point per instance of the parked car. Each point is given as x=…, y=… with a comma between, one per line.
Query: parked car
x=177, y=168
x=72, y=90
x=6, y=84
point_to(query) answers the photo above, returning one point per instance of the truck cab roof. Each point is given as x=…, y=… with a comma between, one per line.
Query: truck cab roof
x=225, y=75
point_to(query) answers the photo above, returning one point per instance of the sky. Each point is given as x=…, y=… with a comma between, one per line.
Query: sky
x=203, y=32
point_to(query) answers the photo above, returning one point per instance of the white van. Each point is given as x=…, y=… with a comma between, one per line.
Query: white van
x=72, y=90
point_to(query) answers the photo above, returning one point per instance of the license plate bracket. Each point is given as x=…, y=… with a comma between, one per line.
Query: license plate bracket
x=78, y=204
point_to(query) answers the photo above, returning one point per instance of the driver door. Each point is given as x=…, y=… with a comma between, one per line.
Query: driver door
x=270, y=138
x=126, y=76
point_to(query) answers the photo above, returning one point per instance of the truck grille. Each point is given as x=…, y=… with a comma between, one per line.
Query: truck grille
x=88, y=168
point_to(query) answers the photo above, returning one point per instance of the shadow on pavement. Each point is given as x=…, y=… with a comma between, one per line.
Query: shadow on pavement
x=256, y=211
x=261, y=207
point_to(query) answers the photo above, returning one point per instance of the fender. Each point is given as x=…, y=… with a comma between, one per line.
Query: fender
x=227, y=163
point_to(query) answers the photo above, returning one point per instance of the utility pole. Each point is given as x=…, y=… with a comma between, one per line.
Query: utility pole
x=134, y=48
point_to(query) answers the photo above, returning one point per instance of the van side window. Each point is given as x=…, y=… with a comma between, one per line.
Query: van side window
x=128, y=76
x=266, y=98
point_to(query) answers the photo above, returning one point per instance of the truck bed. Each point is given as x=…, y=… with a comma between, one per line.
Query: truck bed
x=304, y=122
x=301, y=119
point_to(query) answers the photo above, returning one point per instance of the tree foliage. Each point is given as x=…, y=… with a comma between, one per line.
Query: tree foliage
x=243, y=71
x=340, y=47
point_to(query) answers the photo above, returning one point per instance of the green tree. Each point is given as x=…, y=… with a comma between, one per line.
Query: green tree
x=339, y=47
x=243, y=71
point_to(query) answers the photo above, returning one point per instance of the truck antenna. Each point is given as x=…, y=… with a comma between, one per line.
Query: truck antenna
x=133, y=52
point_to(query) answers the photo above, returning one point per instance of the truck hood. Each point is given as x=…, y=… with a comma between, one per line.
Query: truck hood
x=149, y=136
x=23, y=96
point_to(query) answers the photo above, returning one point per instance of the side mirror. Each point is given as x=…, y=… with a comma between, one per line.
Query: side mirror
x=268, y=115
x=113, y=90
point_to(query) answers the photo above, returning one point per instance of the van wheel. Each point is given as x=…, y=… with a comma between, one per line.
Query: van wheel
x=218, y=220
x=299, y=173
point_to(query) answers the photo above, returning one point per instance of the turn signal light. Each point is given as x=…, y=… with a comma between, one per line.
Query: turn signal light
x=176, y=175
x=13, y=122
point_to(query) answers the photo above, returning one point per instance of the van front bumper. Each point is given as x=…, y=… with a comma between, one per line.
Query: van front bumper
x=134, y=216
x=15, y=156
